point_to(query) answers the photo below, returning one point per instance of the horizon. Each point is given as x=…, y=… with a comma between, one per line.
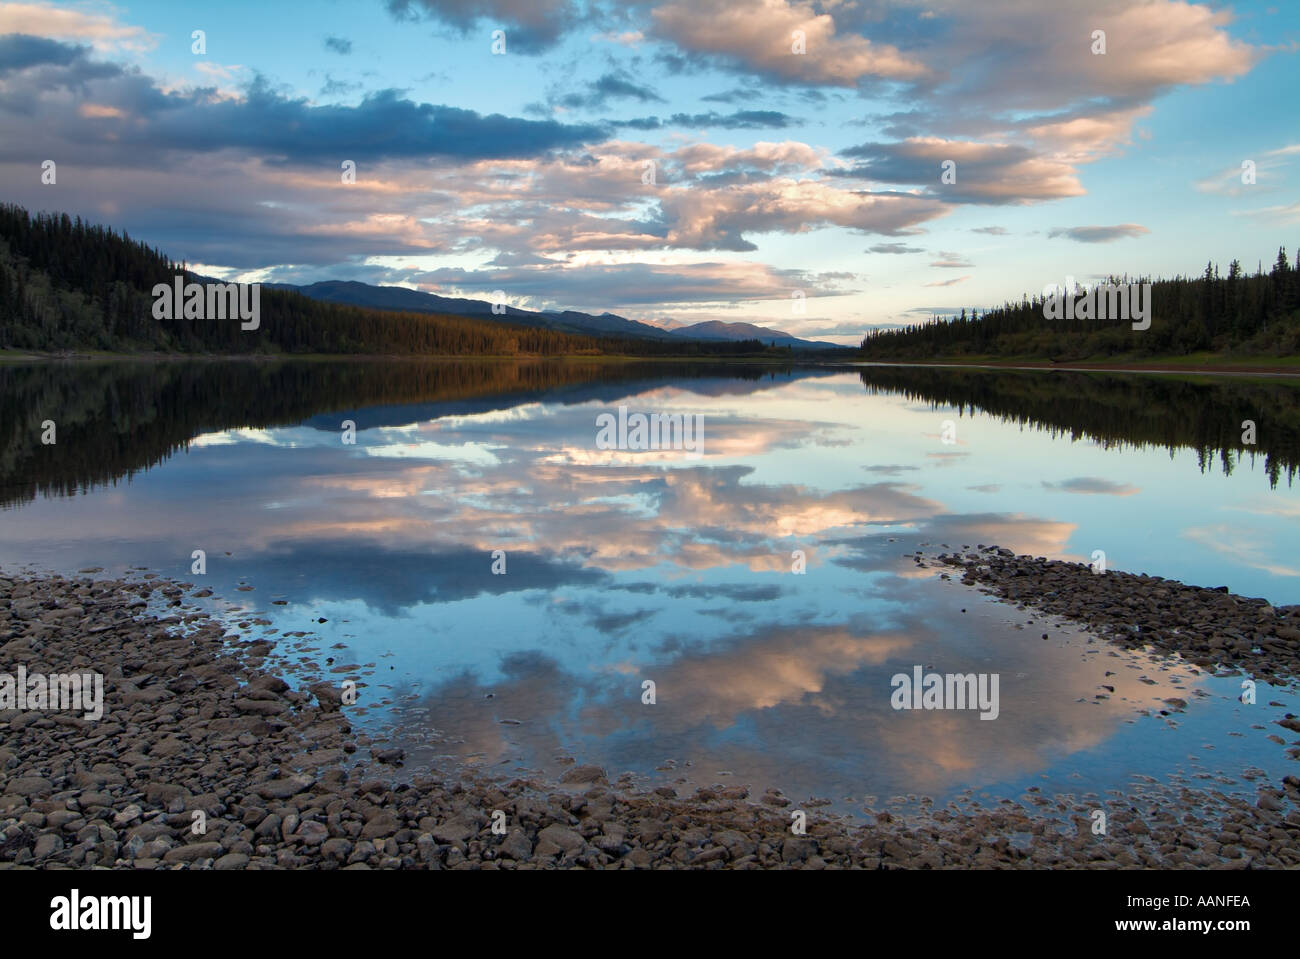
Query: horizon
x=664, y=162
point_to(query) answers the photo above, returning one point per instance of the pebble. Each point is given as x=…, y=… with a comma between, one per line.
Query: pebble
x=201, y=724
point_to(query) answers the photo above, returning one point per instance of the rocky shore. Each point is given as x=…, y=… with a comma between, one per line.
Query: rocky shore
x=205, y=758
x=1208, y=627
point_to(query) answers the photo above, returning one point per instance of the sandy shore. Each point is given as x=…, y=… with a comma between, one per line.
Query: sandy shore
x=205, y=759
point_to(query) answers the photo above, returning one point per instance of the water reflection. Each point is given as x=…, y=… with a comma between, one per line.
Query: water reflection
x=623, y=566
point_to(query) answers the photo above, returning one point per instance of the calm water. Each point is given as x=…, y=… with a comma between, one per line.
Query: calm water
x=623, y=566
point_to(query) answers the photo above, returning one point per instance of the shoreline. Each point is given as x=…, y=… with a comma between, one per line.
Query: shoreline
x=11, y=356
x=1154, y=367
x=1208, y=627
x=196, y=728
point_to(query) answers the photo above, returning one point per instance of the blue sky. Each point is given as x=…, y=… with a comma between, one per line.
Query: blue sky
x=801, y=191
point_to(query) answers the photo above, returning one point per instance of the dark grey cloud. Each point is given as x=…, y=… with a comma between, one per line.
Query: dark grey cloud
x=383, y=125
x=614, y=85
x=991, y=230
x=392, y=579
x=1093, y=485
x=737, y=95
x=605, y=621
x=338, y=45
x=739, y=120
x=894, y=248
x=265, y=122
x=334, y=88
x=767, y=94
x=965, y=171
x=1099, y=234
x=734, y=592
x=18, y=51
x=889, y=469
x=677, y=64
x=530, y=26
x=639, y=123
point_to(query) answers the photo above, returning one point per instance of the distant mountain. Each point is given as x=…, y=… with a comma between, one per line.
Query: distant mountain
x=717, y=330
x=354, y=293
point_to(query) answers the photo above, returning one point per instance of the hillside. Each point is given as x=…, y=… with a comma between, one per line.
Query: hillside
x=1228, y=315
x=66, y=285
x=717, y=330
x=354, y=293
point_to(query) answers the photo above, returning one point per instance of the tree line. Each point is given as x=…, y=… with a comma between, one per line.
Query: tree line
x=119, y=418
x=69, y=285
x=1228, y=313
x=1204, y=415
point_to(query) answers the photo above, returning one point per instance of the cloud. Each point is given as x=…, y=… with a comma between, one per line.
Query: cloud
x=705, y=197
x=1282, y=213
x=261, y=121
x=621, y=285
x=739, y=120
x=894, y=248
x=953, y=261
x=985, y=172
x=1242, y=546
x=1020, y=59
x=334, y=88
x=100, y=30
x=531, y=26
x=1270, y=172
x=757, y=36
x=19, y=51
x=628, y=38
x=933, y=310
x=991, y=230
x=1092, y=485
x=734, y=95
x=613, y=85
x=1016, y=87
x=1099, y=234
x=242, y=173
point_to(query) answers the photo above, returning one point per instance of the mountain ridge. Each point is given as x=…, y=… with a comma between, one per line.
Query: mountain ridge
x=378, y=297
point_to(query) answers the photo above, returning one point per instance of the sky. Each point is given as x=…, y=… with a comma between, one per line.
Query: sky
x=822, y=168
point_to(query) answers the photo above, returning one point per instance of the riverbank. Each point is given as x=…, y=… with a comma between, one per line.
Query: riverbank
x=739, y=359
x=1208, y=627
x=207, y=758
x=1286, y=366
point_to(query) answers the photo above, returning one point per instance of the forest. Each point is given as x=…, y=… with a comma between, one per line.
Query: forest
x=119, y=418
x=1229, y=314
x=1118, y=411
x=66, y=285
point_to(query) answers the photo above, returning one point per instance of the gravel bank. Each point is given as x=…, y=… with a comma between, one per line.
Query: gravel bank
x=197, y=733
x=1209, y=627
